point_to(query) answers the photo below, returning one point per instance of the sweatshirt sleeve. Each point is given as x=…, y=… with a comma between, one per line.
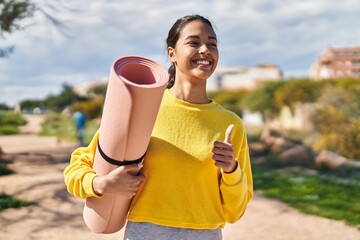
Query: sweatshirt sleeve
x=237, y=187
x=79, y=174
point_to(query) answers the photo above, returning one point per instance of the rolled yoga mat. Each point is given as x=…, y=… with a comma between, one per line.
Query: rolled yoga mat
x=134, y=92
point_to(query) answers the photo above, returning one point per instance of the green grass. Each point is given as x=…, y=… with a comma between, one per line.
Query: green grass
x=10, y=118
x=7, y=201
x=321, y=192
x=10, y=122
x=63, y=127
x=9, y=130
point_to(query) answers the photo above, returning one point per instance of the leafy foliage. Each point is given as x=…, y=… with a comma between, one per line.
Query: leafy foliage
x=297, y=91
x=4, y=107
x=262, y=99
x=10, y=118
x=66, y=98
x=63, y=127
x=91, y=108
x=232, y=100
x=8, y=130
x=12, y=13
x=9, y=122
x=338, y=119
x=31, y=104
x=98, y=90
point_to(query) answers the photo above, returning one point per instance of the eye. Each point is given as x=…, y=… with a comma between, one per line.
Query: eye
x=213, y=44
x=193, y=43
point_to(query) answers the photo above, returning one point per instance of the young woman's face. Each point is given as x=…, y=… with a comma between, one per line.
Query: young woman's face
x=196, y=54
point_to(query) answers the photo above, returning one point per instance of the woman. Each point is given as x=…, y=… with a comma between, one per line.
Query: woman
x=196, y=175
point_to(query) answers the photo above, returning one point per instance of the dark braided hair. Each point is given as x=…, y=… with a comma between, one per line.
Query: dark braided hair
x=173, y=37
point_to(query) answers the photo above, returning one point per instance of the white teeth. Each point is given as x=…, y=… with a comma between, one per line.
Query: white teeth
x=203, y=62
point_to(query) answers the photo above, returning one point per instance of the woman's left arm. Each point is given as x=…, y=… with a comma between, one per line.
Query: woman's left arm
x=237, y=188
x=236, y=184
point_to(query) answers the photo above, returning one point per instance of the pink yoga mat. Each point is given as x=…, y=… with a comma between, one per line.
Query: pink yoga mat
x=134, y=92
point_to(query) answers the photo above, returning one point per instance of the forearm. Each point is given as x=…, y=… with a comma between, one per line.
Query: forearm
x=237, y=188
x=80, y=183
x=236, y=194
x=79, y=174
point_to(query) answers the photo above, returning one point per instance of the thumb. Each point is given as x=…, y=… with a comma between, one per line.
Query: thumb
x=228, y=133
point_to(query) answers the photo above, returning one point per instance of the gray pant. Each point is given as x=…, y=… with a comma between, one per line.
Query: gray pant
x=149, y=231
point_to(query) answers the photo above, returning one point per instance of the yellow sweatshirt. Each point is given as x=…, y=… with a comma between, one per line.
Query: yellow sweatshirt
x=182, y=187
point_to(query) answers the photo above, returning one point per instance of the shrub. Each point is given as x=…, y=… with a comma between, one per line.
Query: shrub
x=8, y=130
x=91, y=108
x=262, y=99
x=232, y=100
x=9, y=118
x=295, y=91
x=338, y=131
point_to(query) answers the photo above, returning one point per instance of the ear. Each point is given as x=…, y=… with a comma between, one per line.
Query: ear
x=171, y=54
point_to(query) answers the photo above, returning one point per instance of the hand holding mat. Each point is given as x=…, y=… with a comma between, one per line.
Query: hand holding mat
x=134, y=92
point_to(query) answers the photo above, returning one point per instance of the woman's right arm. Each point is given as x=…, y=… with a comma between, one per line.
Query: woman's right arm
x=79, y=174
x=81, y=179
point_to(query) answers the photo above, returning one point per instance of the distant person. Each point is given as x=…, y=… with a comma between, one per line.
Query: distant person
x=196, y=174
x=80, y=124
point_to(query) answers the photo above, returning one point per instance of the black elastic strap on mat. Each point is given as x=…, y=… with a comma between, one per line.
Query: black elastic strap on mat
x=117, y=162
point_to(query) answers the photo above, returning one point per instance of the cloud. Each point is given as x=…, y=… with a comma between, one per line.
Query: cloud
x=290, y=34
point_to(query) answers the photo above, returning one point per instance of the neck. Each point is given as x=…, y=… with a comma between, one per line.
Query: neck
x=190, y=93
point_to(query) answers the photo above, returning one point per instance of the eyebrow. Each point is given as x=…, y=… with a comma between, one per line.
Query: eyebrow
x=195, y=36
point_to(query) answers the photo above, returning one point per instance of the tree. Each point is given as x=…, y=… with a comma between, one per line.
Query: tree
x=66, y=98
x=298, y=91
x=31, y=104
x=262, y=99
x=12, y=12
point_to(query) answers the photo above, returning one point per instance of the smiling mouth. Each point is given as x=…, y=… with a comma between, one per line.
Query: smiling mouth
x=202, y=62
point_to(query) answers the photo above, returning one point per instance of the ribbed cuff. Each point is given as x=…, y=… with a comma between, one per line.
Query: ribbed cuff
x=232, y=178
x=88, y=186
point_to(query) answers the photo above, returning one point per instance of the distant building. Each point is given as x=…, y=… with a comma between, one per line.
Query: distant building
x=336, y=63
x=245, y=77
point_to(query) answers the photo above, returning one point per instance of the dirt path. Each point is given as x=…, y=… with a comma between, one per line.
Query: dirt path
x=33, y=125
x=57, y=215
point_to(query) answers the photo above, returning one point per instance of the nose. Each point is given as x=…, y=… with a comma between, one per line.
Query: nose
x=204, y=49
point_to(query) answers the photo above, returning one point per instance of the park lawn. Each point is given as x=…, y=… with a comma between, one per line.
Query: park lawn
x=333, y=194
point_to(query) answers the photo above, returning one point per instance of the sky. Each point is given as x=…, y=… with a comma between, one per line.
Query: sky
x=290, y=34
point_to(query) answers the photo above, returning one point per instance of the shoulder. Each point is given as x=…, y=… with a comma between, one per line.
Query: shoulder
x=228, y=117
x=226, y=113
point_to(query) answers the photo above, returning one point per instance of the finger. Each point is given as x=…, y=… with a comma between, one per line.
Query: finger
x=223, y=151
x=218, y=144
x=132, y=167
x=228, y=133
x=118, y=170
x=221, y=164
x=137, y=180
x=222, y=158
